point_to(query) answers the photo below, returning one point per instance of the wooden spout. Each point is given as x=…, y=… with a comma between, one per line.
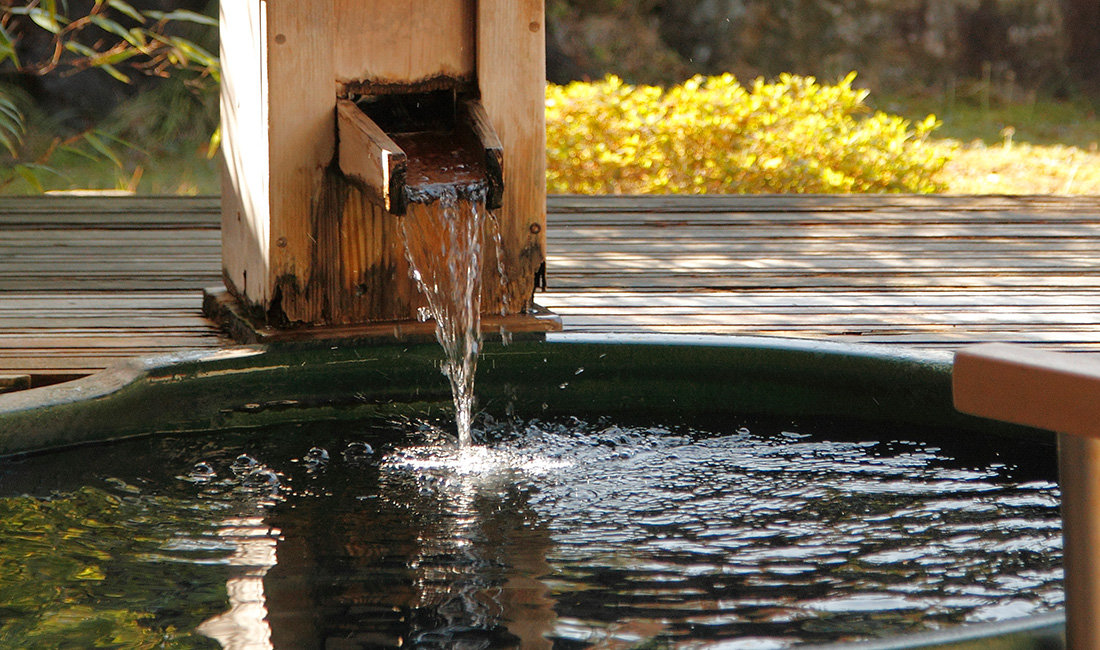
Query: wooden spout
x=478, y=121
x=392, y=166
x=370, y=157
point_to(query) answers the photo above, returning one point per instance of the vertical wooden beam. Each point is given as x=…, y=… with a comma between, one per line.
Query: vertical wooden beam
x=245, y=206
x=1079, y=483
x=278, y=129
x=301, y=111
x=511, y=69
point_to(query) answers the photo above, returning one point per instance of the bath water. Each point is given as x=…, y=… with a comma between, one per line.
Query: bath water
x=566, y=534
x=444, y=234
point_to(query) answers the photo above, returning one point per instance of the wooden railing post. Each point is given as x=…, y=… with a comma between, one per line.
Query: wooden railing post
x=1079, y=480
x=1059, y=392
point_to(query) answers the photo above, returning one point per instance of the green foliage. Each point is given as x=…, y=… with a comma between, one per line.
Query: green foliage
x=714, y=135
x=11, y=125
x=120, y=35
x=112, y=37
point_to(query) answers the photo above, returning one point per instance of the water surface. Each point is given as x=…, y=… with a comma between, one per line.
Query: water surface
x=549, y=535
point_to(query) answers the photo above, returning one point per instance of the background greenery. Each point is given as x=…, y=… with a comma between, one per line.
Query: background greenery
x=992, y=137
x=166, y=54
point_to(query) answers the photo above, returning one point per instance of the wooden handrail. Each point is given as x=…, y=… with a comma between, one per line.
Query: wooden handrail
x=1059, y=392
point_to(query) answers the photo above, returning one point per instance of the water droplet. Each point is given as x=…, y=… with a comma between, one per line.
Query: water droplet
x=260, y=478
x=243, y=464
x=203, y=472
x=316, y=456
x=423, y=314
x=579, y=370
x=358, y=451
x=563, y=385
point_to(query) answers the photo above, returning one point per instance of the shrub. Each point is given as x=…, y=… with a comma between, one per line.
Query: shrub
x=714, y=135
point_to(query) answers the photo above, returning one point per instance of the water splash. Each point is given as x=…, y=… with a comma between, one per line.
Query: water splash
x=444, y=237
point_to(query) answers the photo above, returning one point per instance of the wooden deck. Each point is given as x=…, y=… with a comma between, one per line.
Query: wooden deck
x=912, y=270
x=87, y=281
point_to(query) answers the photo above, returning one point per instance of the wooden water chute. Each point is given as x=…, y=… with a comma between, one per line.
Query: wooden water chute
x=324, y=107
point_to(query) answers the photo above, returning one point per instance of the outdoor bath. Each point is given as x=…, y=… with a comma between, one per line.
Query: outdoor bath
x=628, y=492
x=620, y=491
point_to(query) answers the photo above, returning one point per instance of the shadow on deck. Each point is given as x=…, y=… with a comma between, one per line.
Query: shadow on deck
x=87, y=281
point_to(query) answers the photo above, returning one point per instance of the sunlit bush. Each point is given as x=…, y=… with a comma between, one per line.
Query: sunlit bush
x=714, y=135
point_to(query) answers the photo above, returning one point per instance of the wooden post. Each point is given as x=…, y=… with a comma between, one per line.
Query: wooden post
x=278, y=103
x=1079, y=481
x=511, y=71
x=1059, y=392
x=309, y=232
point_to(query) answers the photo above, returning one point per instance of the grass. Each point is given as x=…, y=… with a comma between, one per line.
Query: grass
x=141, y=172
x=1011, y=143
x=1022, y=168
x=1002, y=143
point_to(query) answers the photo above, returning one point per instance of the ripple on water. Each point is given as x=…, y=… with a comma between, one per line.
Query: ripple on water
x=613, y=536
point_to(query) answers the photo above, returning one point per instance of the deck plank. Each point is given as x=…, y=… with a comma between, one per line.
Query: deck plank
x=88, y=281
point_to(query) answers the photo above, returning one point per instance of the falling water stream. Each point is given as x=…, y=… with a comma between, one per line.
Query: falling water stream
x=444, y=237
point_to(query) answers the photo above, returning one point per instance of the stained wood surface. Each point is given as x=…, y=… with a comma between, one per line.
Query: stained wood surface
x=278, y=136
x=511, y=67
x=386, y=43
x=88, y=281
x=369, y=156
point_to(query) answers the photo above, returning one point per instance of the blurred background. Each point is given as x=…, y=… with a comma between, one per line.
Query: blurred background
x=1014, y=83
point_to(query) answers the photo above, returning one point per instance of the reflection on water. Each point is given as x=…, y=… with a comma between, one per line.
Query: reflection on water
x=786, y=538
x=565, y=535
x=475, y=495
x=244, y=626
x=441, y=552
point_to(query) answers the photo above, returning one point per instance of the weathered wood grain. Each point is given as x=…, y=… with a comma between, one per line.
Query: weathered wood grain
x=394, y=52
x=369, y=157
x=85, y=282
x=511, y=71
